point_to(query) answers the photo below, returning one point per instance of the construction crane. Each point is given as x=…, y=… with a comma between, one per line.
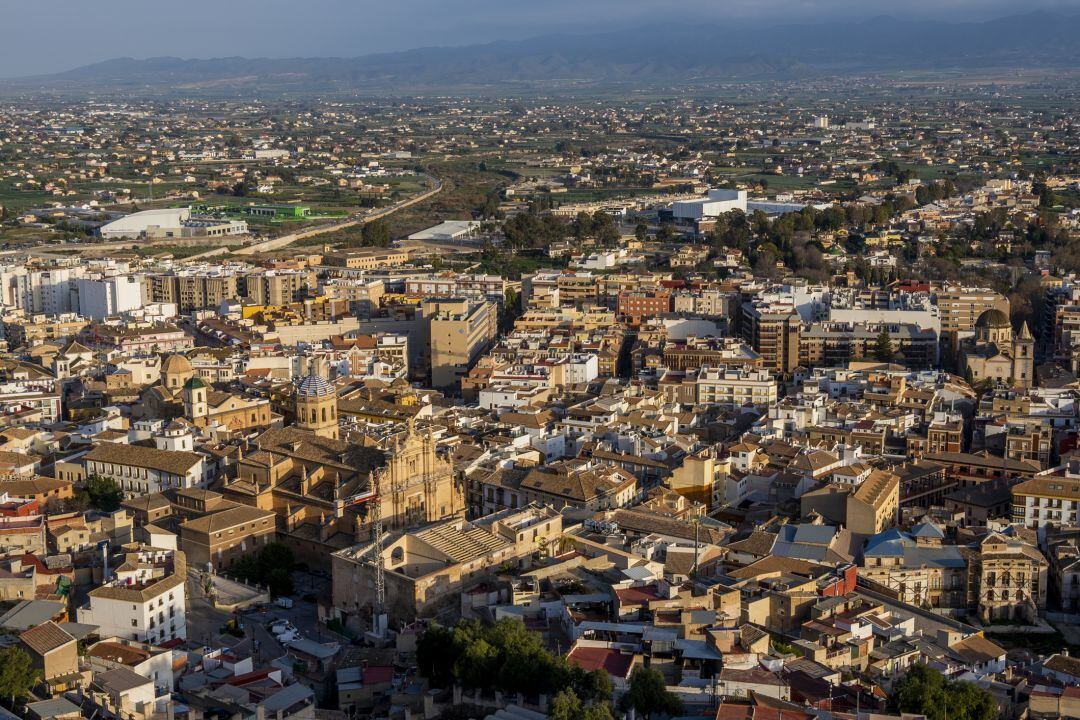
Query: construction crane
x=378, y=609
x=372, y=496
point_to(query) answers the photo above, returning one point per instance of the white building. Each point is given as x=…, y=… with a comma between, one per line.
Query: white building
x=28, y=395
x=170, y=223
x=141, y=470
x=149, y=610
x=102, y=297
x=49, y=292
x=163, y=222
x=715, y=203
x=449, y=231
x=146, y=660
x=772, y=207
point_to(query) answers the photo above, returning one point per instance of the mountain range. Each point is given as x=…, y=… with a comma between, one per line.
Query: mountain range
x=662, y=55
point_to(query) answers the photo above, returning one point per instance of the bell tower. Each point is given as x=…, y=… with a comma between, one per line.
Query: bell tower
x=195, y=404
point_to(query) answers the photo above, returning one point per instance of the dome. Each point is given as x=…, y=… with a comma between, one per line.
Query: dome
x=313, y=386
x=176, y=365
x=194, y=384
x=993, y=318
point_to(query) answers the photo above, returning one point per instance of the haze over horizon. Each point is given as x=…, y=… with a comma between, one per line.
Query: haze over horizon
x=77, y=33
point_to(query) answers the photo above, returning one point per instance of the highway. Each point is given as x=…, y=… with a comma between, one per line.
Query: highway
x=359, y=218
x=355, y=219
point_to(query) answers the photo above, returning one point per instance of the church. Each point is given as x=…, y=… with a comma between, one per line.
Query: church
x=182, y=393
x=321, y=486
x=999, y=354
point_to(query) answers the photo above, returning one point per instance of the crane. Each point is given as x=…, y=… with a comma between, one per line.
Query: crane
x=378, y=605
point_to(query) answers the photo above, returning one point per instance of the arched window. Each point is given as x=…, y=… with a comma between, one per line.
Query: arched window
x=397, y=556
x=324, y=414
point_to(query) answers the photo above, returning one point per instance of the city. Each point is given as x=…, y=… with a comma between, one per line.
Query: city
x=751, y=401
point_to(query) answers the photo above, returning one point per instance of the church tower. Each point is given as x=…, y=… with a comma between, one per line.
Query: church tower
x=195, y=403
x=1023, y=358
x=316, y=406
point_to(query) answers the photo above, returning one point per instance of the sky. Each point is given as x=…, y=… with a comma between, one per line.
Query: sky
x=44, y=36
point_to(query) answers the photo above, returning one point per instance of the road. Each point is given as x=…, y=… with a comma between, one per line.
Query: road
x=353, y=220
x=264, y=246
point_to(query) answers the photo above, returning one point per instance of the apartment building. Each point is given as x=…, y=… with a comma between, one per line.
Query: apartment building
x=25, y=331
x=363, y=295
x=834, y=344
x=459, y=331
x=139, y=469
x=636, y=305
x=150, y=610
x=1050, y=498
x=736, y=386
x=277, y=287
x=193, y=290
x=773, y=333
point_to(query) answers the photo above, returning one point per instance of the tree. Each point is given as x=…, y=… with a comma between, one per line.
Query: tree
x=568, y=706
x=883, y=347
x=591, y=686
x=604, y=228
x=103, y=493
x=17, y=673
x=272, y=566
x=648, y=694
x=375, y=234
x=503, y=656
x=511, y=310
x=925, y=691
x=641, y=231
x=434, y=651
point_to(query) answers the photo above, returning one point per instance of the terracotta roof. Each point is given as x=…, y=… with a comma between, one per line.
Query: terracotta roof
x=977, y=649
x=45, y=638
x=175, y=462
x=138, y=593
x=228, y=518
x=613, y=662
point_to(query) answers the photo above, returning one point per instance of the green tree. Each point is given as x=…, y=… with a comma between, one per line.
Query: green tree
x=604, y=228
x=17, y=673
x=375, y=234
x=511, y=310
x=648, y=694
x=925, y=691
x=478, y=665
x=591, y=686
x=641, y=231
x=504, y=656
x=436, y=654
x=883, y=347
x=103, y=493
x=566, y=705
x=272, y=566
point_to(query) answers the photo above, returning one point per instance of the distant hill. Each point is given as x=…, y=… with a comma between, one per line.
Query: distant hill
x=664, y=55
